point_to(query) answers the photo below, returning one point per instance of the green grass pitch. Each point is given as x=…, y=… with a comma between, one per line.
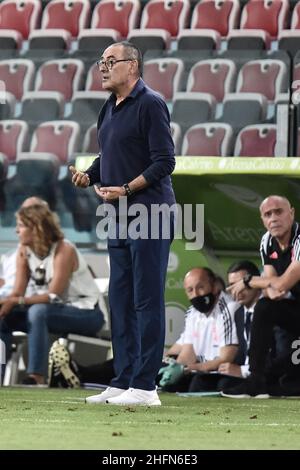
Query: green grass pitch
x=59, y=419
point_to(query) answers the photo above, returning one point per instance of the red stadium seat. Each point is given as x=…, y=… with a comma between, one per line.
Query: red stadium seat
x=64, y=76
x=219, y=15
x=13, y=138
x=59, y=138
x=17, y=74
x=215, y=76
x=122, y=16
x=19, y=15
x=268, y=15
x=211, y=140
x=256, y=141
x=268, y=77
x=164, y=75
x=71, y=15
x=170, y=15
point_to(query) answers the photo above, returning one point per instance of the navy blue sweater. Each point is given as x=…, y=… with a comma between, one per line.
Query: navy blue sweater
x=134, y=138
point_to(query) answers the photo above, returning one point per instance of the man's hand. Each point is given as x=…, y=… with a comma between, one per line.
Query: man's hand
x=230, y=369
x=274, y=294
x=6, y=305
x=110, y=193
x=79, y=178
x=236, y=289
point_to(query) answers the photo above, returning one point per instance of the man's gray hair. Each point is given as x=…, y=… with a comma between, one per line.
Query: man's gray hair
x=132, y=52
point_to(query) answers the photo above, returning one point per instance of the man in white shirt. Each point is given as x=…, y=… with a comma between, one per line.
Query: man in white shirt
x=210, y=334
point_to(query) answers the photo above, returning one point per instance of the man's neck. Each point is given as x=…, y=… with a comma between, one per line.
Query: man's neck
x=250, y=305
x=124, y=92
x=284, y=241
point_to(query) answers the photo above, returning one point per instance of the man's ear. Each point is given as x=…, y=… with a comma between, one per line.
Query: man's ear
x=134, y=67
x=293, y=211
x=215, y=290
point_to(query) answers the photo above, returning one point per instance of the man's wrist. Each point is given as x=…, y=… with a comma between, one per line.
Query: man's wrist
x=128, y=191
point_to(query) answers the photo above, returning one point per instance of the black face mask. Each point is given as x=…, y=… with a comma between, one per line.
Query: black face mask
x=203, y=303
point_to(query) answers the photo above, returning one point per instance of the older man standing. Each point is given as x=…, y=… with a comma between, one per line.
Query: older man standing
x=137, y=158
x=280, y=252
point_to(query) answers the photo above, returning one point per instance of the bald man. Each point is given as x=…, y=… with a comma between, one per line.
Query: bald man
x=280, y=253
x=209, y=337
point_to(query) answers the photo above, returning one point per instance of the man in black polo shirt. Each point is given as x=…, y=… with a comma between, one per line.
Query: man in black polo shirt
x=137, y=158
x=280, y=252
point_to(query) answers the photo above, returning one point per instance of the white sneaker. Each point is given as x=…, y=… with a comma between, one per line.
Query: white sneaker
x=136, y=396
x=109, y=392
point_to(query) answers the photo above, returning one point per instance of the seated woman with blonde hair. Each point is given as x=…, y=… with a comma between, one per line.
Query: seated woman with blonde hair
x=65, y=298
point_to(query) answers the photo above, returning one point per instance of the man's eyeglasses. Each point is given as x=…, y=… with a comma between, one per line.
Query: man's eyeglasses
x=109, y=63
